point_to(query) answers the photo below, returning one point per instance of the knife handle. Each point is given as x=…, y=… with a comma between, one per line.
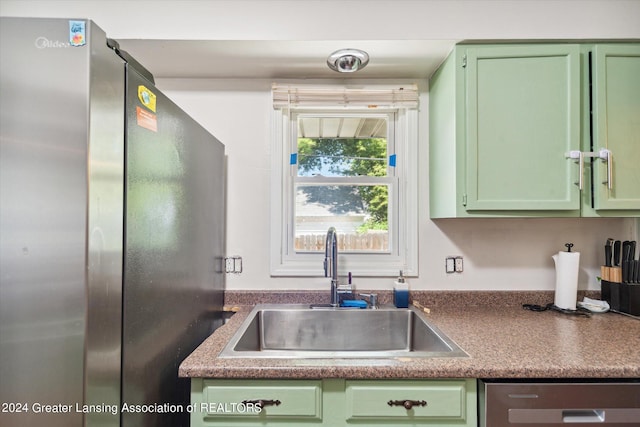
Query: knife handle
x=616, y=253
x=607, y=256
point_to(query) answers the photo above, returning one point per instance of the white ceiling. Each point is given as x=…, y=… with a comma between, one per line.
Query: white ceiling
x=342, y=127
x=284, y=59
x=265, y=38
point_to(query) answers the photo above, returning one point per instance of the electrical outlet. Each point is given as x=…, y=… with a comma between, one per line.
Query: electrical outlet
x=459, y=266
x=233, y=264
x=449, y=264
x=453, y=264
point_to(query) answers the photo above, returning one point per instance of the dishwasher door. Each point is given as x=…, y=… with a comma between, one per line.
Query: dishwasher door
x=531, y=403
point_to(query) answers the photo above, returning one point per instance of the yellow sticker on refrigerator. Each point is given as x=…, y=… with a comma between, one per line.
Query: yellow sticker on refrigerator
x=147, y=98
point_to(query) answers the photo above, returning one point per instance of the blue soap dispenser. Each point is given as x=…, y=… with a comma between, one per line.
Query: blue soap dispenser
x=401, y=292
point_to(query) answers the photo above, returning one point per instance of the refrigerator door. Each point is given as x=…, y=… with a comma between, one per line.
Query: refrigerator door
x=44, y=188
x=174, y=244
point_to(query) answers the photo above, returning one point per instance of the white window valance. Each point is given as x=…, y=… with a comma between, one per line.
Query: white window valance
x=300, y=96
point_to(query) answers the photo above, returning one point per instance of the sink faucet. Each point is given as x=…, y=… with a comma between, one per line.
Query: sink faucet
x=331, y=263
x=373, y=300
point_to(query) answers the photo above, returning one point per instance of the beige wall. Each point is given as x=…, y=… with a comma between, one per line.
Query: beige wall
x=498, y=254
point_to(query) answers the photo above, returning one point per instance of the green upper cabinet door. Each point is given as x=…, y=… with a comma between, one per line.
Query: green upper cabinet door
x=616, y=126
x=504, y=118
x=522, y=117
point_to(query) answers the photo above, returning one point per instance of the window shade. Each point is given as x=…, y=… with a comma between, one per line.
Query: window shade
x=290, y=96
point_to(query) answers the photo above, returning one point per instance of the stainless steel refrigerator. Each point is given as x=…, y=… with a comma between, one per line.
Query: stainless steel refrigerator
x=111, y=233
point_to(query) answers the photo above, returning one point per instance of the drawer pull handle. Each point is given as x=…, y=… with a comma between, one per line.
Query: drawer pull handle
x=261, y=403
x=408, y=404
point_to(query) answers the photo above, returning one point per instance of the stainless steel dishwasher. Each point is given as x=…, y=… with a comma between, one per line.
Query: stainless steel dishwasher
x=548, y=403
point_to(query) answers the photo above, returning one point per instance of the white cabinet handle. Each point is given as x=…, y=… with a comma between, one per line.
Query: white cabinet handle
x=604, y=155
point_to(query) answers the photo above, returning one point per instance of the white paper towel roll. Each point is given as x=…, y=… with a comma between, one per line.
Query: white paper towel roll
x=567, y=268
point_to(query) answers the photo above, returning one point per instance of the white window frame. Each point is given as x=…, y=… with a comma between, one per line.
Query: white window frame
x=404, y=244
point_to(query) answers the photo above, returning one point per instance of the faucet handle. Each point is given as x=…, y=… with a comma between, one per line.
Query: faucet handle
x=373, y=299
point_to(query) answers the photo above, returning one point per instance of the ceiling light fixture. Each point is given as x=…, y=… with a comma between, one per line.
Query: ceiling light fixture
x=348, y=60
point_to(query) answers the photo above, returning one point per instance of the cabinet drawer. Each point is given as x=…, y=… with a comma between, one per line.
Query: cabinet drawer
x=434, y=400
x=300, y=400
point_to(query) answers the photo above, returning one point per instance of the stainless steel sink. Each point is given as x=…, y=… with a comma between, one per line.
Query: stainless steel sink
x=298, y=331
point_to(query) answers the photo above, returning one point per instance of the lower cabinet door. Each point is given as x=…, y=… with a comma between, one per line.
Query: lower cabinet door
x=403, y=403
x=333, y=403
x=256, y=403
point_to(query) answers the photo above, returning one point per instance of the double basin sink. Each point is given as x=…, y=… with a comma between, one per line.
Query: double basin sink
x=299, y=331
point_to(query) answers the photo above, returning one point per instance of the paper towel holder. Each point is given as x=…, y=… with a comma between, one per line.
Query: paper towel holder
x=568, y=246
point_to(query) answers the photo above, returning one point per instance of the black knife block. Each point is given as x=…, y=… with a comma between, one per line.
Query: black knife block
x=623, y=297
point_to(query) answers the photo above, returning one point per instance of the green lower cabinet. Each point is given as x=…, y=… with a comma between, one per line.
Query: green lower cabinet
x=333, y=402
x=406, y=403
x=255, y=402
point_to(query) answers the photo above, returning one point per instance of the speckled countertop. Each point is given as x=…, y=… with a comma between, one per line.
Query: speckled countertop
x=502, y=339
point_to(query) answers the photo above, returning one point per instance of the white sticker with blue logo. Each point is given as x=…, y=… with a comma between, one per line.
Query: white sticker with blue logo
x=77, y=33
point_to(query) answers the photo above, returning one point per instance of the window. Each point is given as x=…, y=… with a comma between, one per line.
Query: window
x=354, y=169
x=342, y=177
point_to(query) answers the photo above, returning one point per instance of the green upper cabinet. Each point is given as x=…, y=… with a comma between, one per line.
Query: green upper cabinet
x=503, y=120
x=616, y=126
x=522, y=116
